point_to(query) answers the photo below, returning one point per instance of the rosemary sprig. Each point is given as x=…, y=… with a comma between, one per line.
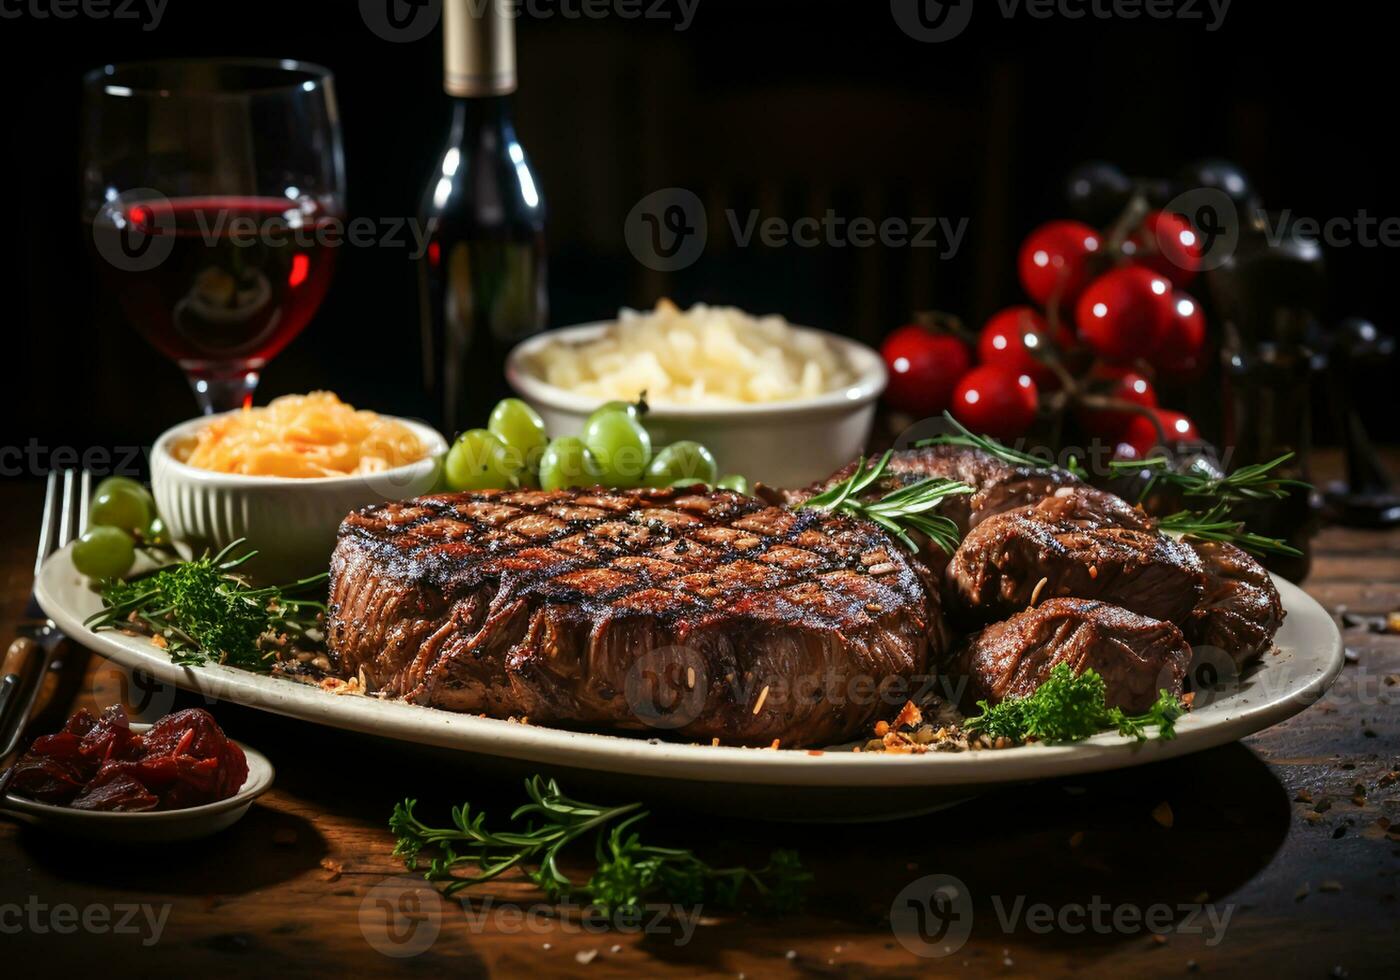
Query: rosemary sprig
x=627, y=871
x=897, y=512
x=1258, y=481
x=1216, y=524
x=205, y=609
x=999, y=450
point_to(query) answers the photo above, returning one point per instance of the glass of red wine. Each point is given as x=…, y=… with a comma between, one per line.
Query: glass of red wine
x=211, y=191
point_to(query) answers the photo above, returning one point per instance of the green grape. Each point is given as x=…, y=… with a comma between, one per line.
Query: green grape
x=104, y=552
x=156, y=533
x=620, y=444
x=568, y=463
x=522, y=430
x=117, y=481
x=120, y=505
x=478, y=461
x=736, y=482
x=682, y=460
x=631, y=409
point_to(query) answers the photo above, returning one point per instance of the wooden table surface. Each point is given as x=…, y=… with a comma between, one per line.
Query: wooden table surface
x=1279, y=858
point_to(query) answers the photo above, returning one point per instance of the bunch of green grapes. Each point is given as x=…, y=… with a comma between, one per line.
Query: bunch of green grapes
x=615, y=450
x=121, y=517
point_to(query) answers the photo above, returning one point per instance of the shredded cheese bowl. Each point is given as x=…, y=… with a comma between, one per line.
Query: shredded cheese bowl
x=283, y=478
x=803, y=407
x=303, y=436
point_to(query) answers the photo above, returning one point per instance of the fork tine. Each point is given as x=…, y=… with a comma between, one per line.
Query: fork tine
x=84, y=498
x=70, y=502
x=46, y=529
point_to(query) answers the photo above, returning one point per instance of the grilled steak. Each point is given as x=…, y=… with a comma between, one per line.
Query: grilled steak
x=1136, y=656
x=1240, y=611
x=1082, y=542
x=710, y=614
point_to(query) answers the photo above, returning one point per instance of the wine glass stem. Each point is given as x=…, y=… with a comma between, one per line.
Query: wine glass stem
x=223, y=393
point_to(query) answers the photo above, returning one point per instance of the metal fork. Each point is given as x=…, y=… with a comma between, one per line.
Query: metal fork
x=32, y=653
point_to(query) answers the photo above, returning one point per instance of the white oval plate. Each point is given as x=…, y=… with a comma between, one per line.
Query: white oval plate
x=1285, y=684
x=152, y=826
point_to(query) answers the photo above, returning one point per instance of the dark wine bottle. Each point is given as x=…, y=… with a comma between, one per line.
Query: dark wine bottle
x=483, y=278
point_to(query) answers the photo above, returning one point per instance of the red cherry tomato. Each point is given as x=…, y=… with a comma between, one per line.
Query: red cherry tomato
x=1054, y=260
x=993, y=401
x=1166, y=244
x=1179, y=354
x=1011, y=339
x=1142, y=436
x=1124, y=385
x=1123, y=314
x=924, y=369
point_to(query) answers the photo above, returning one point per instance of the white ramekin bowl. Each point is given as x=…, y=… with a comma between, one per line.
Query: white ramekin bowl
x=290, y=522
x=783, y=444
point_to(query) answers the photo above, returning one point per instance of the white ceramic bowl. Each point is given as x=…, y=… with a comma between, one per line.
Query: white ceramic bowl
x=291, y=522
x=153, y=826
x=784, y=444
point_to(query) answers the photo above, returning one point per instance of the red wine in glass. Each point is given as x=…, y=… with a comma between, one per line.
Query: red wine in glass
x=210, y=188
x=238, y=277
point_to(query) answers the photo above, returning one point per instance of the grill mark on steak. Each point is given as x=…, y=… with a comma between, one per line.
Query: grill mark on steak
x=1083, y=543
x=1240, y=611
x=542, y=604
x=1136, y=655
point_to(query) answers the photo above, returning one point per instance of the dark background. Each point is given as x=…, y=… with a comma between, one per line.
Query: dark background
x=790, y=106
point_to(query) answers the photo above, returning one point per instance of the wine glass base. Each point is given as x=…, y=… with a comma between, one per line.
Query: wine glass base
x=223, y=393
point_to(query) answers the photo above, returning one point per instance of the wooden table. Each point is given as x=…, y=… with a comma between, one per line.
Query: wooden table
x=1287, y=833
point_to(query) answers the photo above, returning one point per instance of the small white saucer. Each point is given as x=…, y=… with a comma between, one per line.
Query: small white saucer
x=151, y=825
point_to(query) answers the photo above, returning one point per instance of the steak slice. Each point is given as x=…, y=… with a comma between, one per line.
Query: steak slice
x=1137, y=656
x=1241, y=610
x=710, y=614
x=1081, y=542
x=998, y=486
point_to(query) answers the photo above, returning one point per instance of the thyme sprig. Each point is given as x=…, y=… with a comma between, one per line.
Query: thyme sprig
x=626, y=873
x=205, y=609
x=897, y=512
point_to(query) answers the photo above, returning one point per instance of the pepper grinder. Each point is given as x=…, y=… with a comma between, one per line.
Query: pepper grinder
x=1266, y=295
x=1367, y=498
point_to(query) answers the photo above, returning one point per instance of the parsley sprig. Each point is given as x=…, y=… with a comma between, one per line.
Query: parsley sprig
x=205, y=609
x=627, y=871
x=897, y=512
x=1066, y=708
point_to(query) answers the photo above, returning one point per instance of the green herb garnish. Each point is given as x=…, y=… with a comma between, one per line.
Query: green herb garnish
x=905, y=508
x=204, y=609
x=1066, y=708
x=1013, y=457
x=1258, y=481
x=1216, y=524
x=627, y=872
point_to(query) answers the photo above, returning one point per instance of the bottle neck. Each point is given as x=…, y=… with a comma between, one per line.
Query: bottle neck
x=485, y=122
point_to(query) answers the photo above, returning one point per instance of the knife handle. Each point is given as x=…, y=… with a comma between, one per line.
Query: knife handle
x=20, y=677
